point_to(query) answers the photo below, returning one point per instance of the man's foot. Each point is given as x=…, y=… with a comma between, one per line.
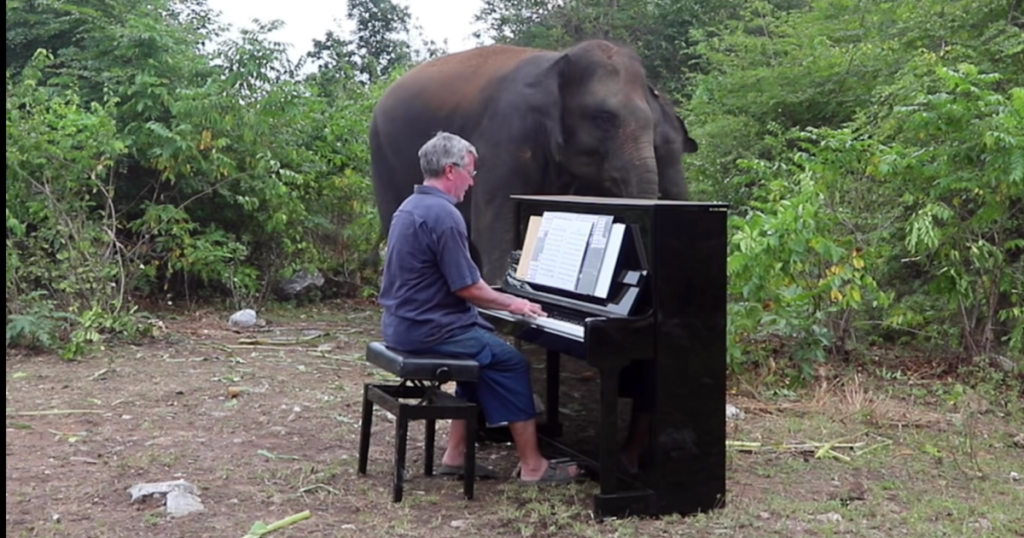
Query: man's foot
x=479, y=471
x=550, y=471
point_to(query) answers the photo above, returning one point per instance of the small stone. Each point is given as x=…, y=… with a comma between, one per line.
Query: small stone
x=1014, y=476
x=830, y=517
x=764, y=515
x=733, y=412
x=459, y=523
x=1019, y=441
x=982, y=524
x=349, y=527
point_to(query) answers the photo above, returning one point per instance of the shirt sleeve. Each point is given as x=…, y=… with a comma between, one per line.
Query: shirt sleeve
x=454, y=259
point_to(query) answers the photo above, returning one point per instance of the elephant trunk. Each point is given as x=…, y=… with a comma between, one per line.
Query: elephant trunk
x=639, y=178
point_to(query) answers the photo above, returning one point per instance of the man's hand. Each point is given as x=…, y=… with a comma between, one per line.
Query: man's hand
x=523, y=307
x=482, y=296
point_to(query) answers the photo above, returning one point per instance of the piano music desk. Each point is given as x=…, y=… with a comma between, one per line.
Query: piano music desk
x=421, y=380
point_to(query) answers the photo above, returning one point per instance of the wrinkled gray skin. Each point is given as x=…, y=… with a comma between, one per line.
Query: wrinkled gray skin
x=580, y=121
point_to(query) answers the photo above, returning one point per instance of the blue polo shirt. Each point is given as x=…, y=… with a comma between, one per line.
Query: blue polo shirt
x=427, y=260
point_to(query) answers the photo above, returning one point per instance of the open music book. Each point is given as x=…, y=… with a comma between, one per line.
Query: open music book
x=577, y=252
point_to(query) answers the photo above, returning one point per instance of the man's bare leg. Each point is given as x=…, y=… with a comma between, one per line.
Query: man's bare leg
x=636, y=440
x=455, y=454
x=532, y=464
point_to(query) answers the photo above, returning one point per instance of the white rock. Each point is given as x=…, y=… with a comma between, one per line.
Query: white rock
x=733, y=412
x=243, y=319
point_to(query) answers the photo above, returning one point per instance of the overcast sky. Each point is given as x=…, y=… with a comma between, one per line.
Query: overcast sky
x=305, y=20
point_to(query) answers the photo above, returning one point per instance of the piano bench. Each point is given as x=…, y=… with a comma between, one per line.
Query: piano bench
x=421, y=378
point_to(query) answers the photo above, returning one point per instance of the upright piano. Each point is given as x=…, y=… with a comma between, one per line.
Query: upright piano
x=635, y=292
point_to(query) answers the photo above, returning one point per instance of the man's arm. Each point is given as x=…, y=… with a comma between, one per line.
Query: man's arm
x=463, y=276
x=483, y=296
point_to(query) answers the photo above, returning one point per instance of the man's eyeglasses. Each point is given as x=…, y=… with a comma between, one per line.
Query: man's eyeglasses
x=471, y=174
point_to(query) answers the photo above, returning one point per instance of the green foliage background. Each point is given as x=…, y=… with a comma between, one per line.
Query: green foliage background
x=873, y=152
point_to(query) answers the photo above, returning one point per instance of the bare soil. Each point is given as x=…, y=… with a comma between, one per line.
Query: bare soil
x=268, y=428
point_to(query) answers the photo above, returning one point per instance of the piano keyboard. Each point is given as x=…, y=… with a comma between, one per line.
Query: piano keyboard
x=557, y=326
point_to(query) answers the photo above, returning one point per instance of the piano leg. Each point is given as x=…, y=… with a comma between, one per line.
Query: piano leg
x=609, y=428
x=553, y=426
x=609, y=501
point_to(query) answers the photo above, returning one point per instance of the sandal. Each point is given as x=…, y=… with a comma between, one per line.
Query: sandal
x=479, y=470
x=556, y=473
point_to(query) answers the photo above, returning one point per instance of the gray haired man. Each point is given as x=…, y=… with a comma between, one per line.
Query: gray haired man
x=430, y=292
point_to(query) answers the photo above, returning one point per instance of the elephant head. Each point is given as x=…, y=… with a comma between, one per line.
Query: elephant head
x=612, y=133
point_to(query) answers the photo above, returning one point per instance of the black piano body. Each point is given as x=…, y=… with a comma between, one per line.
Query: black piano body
x=660, y=332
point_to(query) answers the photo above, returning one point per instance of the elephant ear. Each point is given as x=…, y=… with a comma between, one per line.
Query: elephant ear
x=689, y=144
x=547, y=100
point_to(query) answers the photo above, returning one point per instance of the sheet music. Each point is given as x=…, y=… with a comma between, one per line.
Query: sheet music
x=529, y=244
x=558, y=253
x=610, y=256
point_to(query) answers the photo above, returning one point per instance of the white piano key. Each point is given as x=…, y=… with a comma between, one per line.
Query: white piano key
x=556, y=326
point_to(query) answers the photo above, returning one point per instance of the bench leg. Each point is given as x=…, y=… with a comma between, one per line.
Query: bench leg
x=364, y=430
x=401, y=438
x=469, y=468
x=428, y=447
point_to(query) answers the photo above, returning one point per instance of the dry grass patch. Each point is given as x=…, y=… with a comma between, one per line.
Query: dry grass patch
x=286, y=442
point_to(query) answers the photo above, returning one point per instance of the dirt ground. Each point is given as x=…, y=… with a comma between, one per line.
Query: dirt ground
x=267, y=428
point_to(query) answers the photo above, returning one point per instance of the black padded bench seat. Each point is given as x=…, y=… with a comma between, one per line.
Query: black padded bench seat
x=422, y=367
x=421, y=377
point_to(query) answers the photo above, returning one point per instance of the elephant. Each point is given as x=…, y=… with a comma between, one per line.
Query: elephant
x=583, y=120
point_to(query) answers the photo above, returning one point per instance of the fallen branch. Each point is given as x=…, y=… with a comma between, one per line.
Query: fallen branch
x=820, y=450
x=12, y=413
x=267, y=346
x=319, y=486
x=355, y=359
x=271, y=456
x=887, y=442
x=283, y=341
x=262, y=529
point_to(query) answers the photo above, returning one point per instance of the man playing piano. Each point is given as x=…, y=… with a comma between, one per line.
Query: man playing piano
x=430, y=292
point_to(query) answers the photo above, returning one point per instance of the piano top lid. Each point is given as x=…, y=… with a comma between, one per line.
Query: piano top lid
x=607, y=200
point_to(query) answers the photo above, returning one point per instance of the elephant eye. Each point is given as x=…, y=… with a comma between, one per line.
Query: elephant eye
x=604, y=120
